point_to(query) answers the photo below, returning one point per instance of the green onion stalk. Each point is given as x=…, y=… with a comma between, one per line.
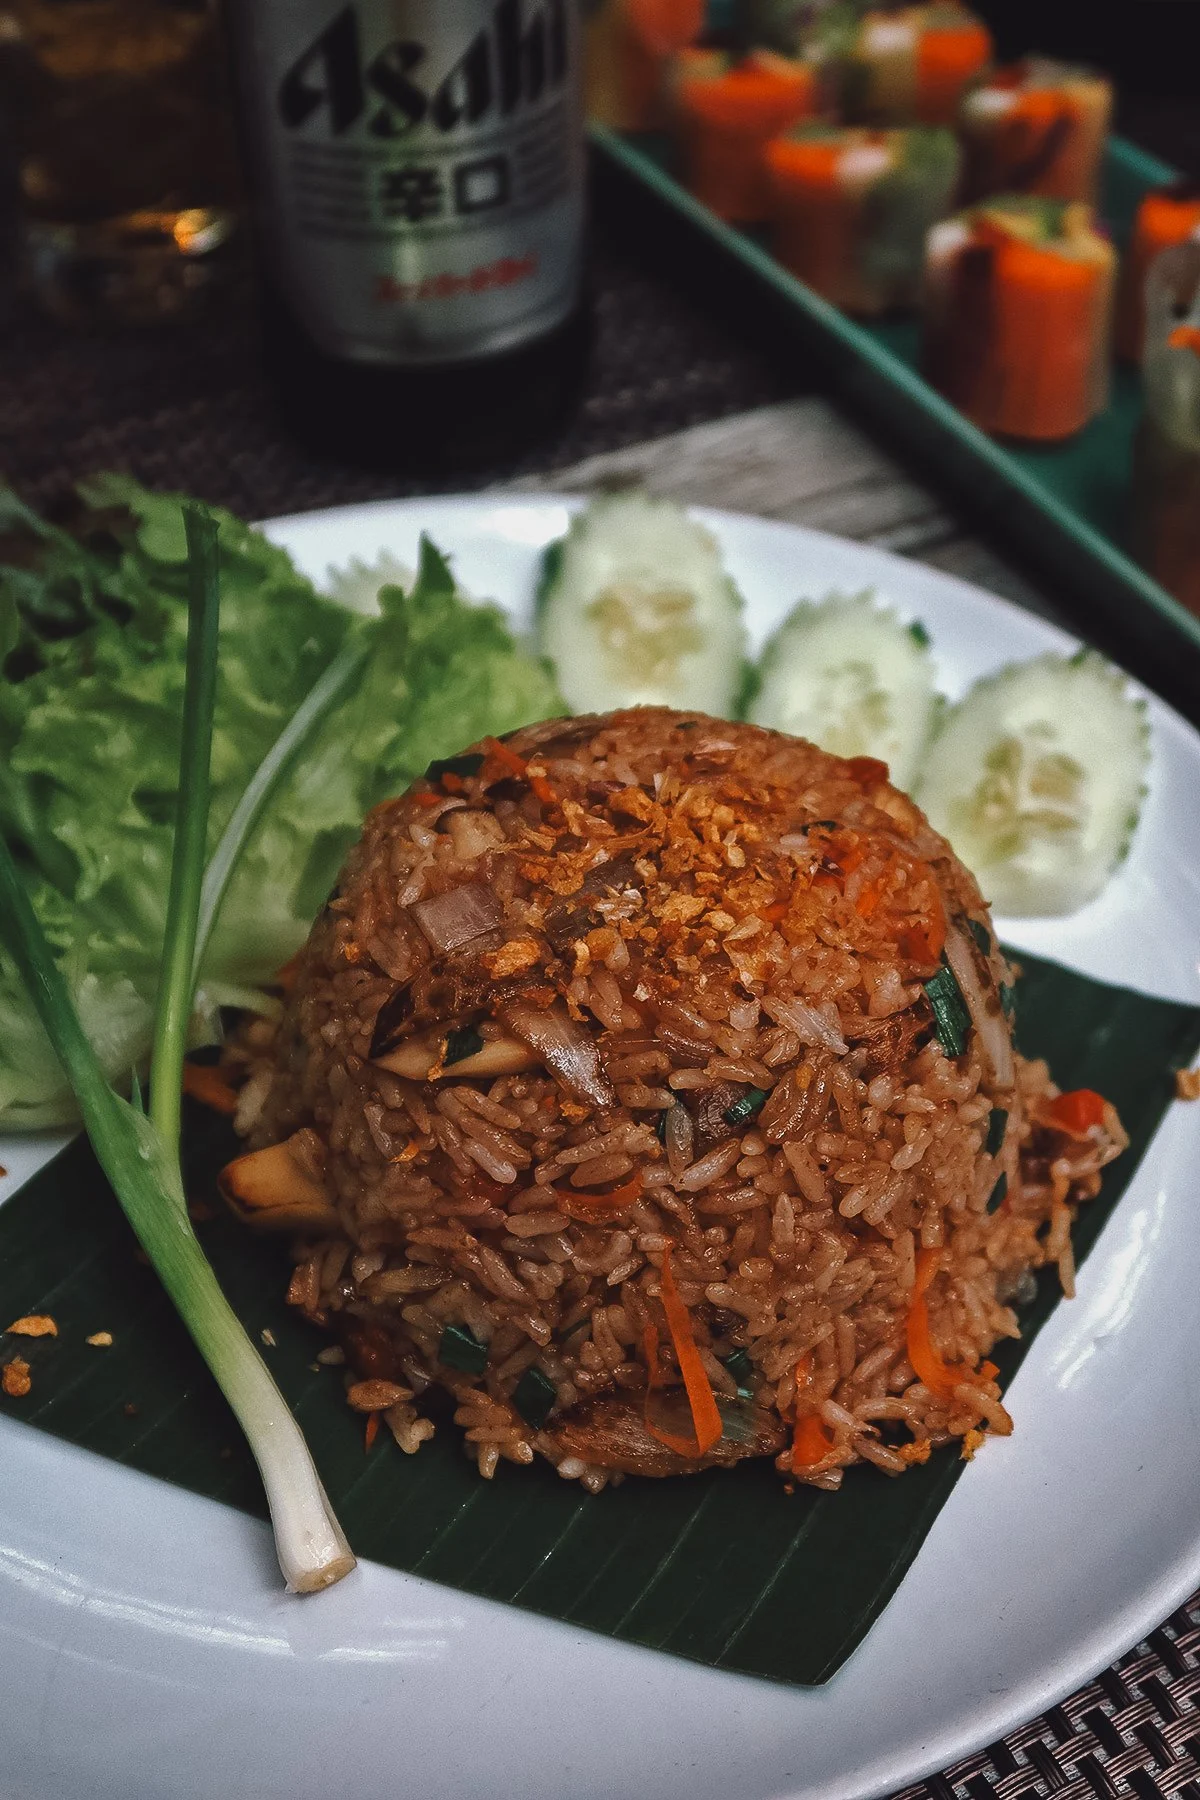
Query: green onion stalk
x=312, y=711
x=140, y=1153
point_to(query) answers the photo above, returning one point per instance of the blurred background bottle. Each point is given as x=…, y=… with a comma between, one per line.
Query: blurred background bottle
x=121, y=126
x=417, y=170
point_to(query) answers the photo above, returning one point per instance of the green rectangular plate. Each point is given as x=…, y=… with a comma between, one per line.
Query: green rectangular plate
x=1064, y=505
x=725, y=1568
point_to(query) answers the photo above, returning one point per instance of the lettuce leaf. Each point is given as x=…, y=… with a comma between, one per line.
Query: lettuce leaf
x=92, y=635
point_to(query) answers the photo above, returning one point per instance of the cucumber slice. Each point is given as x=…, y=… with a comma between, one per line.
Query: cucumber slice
x=851, y=677
x=635, y=609
x=1037, y=778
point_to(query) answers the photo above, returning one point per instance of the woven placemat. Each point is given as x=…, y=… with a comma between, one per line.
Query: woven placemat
x=1134, y=1730
x=187, y=409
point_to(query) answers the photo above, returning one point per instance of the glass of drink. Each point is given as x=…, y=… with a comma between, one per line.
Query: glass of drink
x=124, y=146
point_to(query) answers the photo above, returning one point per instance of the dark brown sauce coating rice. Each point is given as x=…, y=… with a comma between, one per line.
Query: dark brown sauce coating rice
x=652, y=984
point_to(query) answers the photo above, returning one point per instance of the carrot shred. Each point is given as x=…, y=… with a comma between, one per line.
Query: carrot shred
x=508, y=759
x=939, y=1376
x=706, y=1418
x=867, y=904
x=206, y=1084
x=988, y=1370
x=903, y=899
x=517, y=765
x=428, y=799
x=1076, y=1112
x=811, y=1442
x=844, y=850
x=923, y=940
x=585, y=1206
x=812, y=1439
x=482, y=1189
x=542, y=790
x=1185, y=337
x=370, y=1432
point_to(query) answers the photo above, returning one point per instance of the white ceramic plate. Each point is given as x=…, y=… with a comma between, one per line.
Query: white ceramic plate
x=148, y=1652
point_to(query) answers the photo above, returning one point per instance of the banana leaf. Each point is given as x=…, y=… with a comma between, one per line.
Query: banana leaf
x=725, y=1567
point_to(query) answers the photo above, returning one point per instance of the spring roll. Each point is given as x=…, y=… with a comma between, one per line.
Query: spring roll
x=1018, y=301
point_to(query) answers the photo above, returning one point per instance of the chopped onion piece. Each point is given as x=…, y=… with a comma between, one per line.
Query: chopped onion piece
x=474, y=833
x=679, y=1135
x=565, y=1046
x=982, y=996
x=458, y=916
x=810, y=1026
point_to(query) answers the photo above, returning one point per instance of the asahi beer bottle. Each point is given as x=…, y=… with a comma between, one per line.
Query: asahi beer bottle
x=417, y=170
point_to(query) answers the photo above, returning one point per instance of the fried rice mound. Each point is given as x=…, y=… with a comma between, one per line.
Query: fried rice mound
x=645, y=1097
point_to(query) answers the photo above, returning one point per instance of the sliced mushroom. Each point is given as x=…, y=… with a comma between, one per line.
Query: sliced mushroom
x=500, y=1056
x=413, y=1060
x=419, y=1060
x=612, y=1434
x=280, y=1188
x=889, y=1042
x=709, y=1106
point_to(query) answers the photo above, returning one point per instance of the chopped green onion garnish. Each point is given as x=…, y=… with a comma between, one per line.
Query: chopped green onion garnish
x=997, y=1126
x=997, y=1194
x=660, y=1126
x=455, y=765
x=751, y=1102
x=950, y=1015
x=741, y=1368
x=461, y=1349
x=918, y=634
x=534, y=1397
x=1008, y=998
x=460, y=1044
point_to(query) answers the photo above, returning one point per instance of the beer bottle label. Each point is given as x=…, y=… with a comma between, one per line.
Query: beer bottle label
x=420, y=169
